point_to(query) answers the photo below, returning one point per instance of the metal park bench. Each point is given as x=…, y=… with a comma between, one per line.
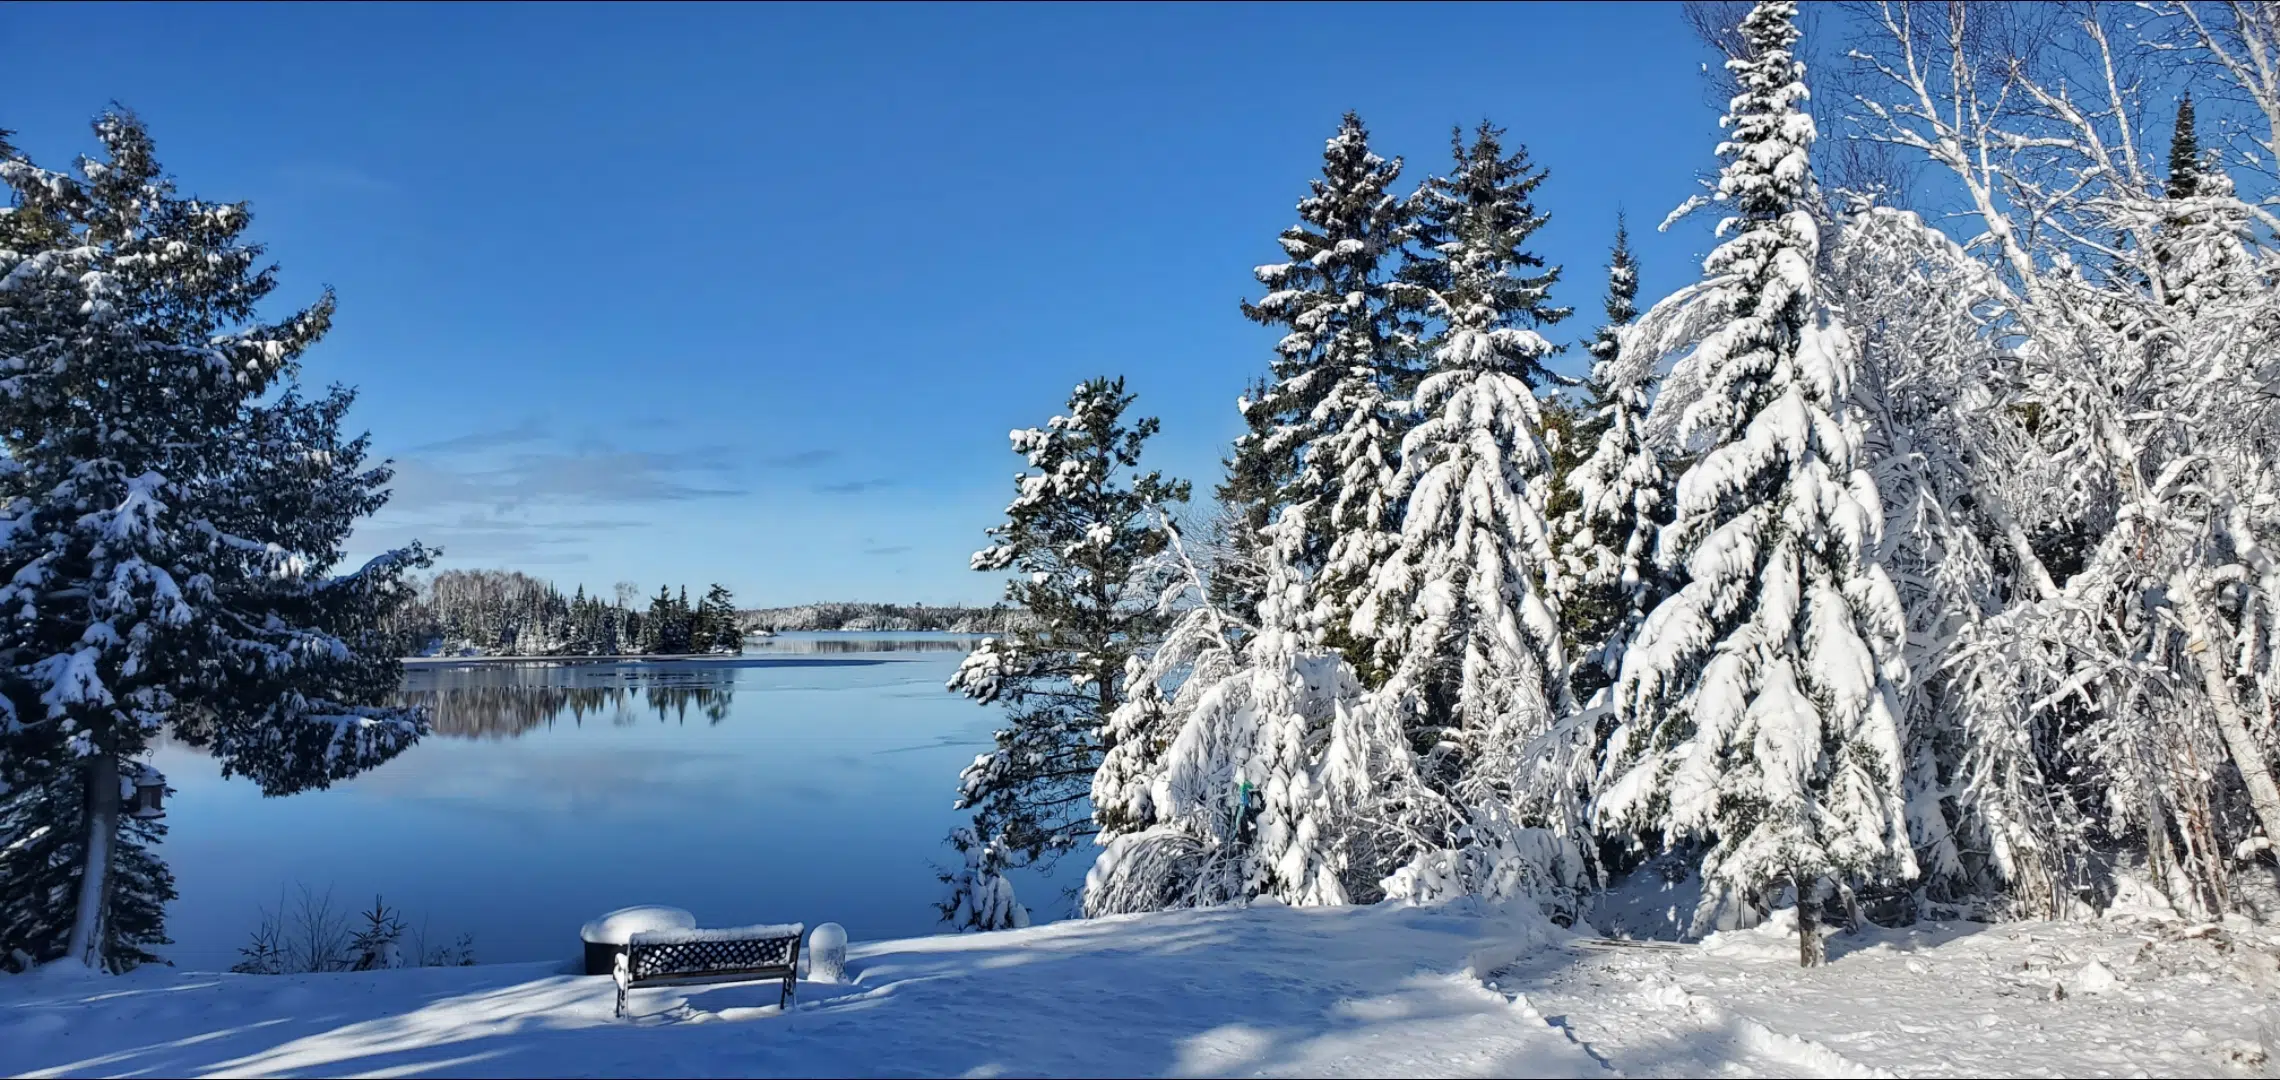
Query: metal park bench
x=732, y=954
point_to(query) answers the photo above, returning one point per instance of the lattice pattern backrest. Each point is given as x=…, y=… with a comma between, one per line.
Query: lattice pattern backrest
x=698, y=957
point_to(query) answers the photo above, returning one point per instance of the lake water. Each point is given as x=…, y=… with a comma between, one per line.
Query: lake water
x=809, y=781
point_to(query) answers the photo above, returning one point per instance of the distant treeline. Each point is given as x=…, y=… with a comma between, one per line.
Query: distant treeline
x=507, y=613
x=996, y=619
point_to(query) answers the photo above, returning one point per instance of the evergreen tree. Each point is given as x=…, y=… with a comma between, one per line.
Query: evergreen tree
x=1758, y=700
x=1086, y=558
x=716, y=628
x=2201, y=242
x=666, y=628
x=173, y=512
x=1460, y=612
x=1248, y=495
x=1324, y=432
x=2184, y=153
x=1621, y=493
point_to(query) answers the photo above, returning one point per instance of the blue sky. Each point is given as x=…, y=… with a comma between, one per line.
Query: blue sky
x=752, y=294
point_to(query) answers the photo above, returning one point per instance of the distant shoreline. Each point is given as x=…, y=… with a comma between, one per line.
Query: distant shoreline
x=577, y=659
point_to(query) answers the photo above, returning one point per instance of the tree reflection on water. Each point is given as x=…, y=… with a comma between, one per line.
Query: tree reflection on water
x=494, y=700
x=507, y=701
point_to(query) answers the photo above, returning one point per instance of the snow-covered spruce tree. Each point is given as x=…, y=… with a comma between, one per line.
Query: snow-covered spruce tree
x=1757, y=701
x=1459, y=612
x=171, y=511
x=1282, y=779
x=1086, y=556
x=1622, y=493
x=1324, y=431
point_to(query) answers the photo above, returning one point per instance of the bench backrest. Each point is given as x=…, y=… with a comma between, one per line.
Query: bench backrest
x=676, y=953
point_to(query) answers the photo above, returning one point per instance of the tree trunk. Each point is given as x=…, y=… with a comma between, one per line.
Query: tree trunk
x=1808, y=928
x=2207, y=650
x=102, y=822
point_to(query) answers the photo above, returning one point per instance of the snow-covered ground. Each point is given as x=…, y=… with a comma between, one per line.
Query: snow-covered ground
x=1383, y=991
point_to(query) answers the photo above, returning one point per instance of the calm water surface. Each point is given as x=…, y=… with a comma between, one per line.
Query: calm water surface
x=809, y=781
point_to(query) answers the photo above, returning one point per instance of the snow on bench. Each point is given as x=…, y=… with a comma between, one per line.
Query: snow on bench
x=674, y=957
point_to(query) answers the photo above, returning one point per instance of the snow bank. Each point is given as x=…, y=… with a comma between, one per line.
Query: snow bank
x=1274, y=991
x=1773, y=939
x=1271, y=990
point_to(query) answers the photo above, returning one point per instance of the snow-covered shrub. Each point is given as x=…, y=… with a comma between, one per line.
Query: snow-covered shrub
x=980, y=896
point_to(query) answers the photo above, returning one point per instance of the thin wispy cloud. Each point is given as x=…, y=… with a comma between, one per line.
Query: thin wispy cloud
x=583, y=476
x=529, y=430
x=895, y=549
x=852, y=487
x=524, y=494
x=804, y=459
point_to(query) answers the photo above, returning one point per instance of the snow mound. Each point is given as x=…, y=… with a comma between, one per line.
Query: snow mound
x=826, y=958
x=1773, y=939
x=618, y=927
x=2093, y=978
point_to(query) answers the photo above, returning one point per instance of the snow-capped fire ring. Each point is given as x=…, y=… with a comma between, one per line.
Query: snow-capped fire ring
x=605, y=937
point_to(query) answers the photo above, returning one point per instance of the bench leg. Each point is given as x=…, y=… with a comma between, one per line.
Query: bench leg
x=621, y=1002
x=785, y=1002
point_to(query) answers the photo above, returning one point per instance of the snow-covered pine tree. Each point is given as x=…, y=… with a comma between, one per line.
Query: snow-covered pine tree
x=1621, y=492
x=1324, y=432
x=1078, y=536
x=1460, y=611
x=171, y=511
x=1282, y=779
x=1757, y=704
